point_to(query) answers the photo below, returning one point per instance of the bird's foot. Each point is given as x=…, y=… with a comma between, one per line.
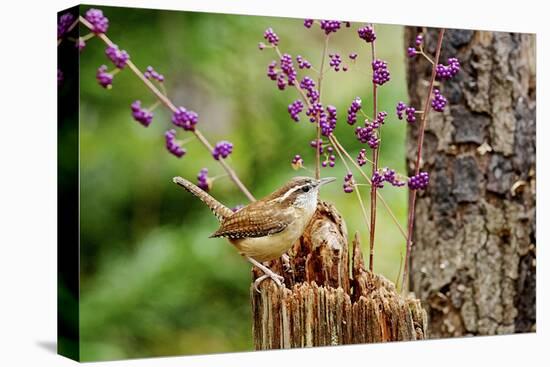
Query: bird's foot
x=287, y=267
x=279, y=280
x=268, y=273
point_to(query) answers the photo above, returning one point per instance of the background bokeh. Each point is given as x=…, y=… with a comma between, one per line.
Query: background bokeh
x=152, y=282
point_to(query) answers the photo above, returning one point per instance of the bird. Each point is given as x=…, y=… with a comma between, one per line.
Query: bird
x=265, y=229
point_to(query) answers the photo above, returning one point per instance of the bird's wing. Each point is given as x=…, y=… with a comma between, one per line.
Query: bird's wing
x=255, y=221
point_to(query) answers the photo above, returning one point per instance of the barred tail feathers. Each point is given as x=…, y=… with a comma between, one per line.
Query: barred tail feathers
x=220, y=211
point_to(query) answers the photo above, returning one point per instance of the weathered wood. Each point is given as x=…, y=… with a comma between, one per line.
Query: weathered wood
x=322, y=305
x=473, y=258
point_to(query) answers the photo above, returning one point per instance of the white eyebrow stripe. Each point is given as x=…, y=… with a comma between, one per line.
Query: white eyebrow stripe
x=289, y=192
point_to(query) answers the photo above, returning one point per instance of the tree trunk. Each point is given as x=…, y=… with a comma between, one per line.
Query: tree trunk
x=473, y=260
x=322, y=305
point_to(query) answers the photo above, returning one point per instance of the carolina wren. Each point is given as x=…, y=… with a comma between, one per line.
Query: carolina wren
x=265, y=229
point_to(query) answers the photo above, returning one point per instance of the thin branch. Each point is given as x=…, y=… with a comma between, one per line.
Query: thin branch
x=335, y=141
x=419, y=157
x=168, y=103
x=375, y=153
x=356, y=189
x=319, y=83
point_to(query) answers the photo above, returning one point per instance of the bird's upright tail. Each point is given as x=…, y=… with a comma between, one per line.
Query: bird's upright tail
x=220, y=211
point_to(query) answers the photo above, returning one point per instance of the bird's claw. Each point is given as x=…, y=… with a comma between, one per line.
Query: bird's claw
x=279, y=280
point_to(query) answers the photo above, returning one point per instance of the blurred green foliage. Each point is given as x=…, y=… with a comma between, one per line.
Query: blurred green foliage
x=152, y=282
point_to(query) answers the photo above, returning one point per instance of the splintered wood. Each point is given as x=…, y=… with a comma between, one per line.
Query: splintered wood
x=322, y=305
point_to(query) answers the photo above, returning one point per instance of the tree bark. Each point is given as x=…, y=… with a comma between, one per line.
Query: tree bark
x=473, y=260
x=322, y=305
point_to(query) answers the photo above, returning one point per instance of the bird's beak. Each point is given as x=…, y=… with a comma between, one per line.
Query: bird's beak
x=326, y=180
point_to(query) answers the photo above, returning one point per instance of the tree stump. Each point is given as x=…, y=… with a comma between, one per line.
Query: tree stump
x=325, y=303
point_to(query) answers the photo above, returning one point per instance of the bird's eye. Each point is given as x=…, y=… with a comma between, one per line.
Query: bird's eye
x=305, y=188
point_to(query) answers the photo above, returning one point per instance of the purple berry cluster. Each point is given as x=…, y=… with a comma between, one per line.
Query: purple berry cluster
x=390, y=176
x=330, y=26
x=367, y=134
x=294, y=109
x=104, y=78
x=327, y=121
x=203, y=181
x=377, y=180
x=362, y=157
x=317, y=144
x=99, y=22
x=222, y=149
x=271, y=37
x=330, y=158
x=151, y=73
x=446, y=72
x=367, y=33
x=336, y=61
x=118, y=57
x=141, y=115
x=287, y=74
x=380, y=72
x=303, y=63
x=409, y=111
x=185, y=119
x=297, y=162
x=172, y=145
x=412, y=51
x=386, y=175
x=64, y=23
x=439, y=101
x=349, y=183
x=353, y=109
x=420, y=181
x=308, y=23
x=316, y=108
x=418, y=40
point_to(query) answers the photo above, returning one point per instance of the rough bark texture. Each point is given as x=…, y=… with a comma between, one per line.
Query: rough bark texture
x=473, y=261
x=322, y=305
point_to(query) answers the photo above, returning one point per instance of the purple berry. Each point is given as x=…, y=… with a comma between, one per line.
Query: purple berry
x=185, y=119
x=99, y=22
x=420, y=181
x=327, y=121
x=448, y=71
x=367, y=33
x=222, y=149
x=335, y=61
x=362, y=157
x=203, y=181
x=151, y=73
x=418, y=41
x=104, y=78
x=349, y=183
x=65, y=21
x=401, y=106
x=377, y=180
x=352, y=56
x=171, y=144
x=294, y=109
x=80, y=44
x=353, y=109
x=118, y=57
x=141, y=115
x=411, y=52
x=271, y=37
x=330, y=26
x=439, y=101
x=308, y=23
x=303, y=63
x=380, y=73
